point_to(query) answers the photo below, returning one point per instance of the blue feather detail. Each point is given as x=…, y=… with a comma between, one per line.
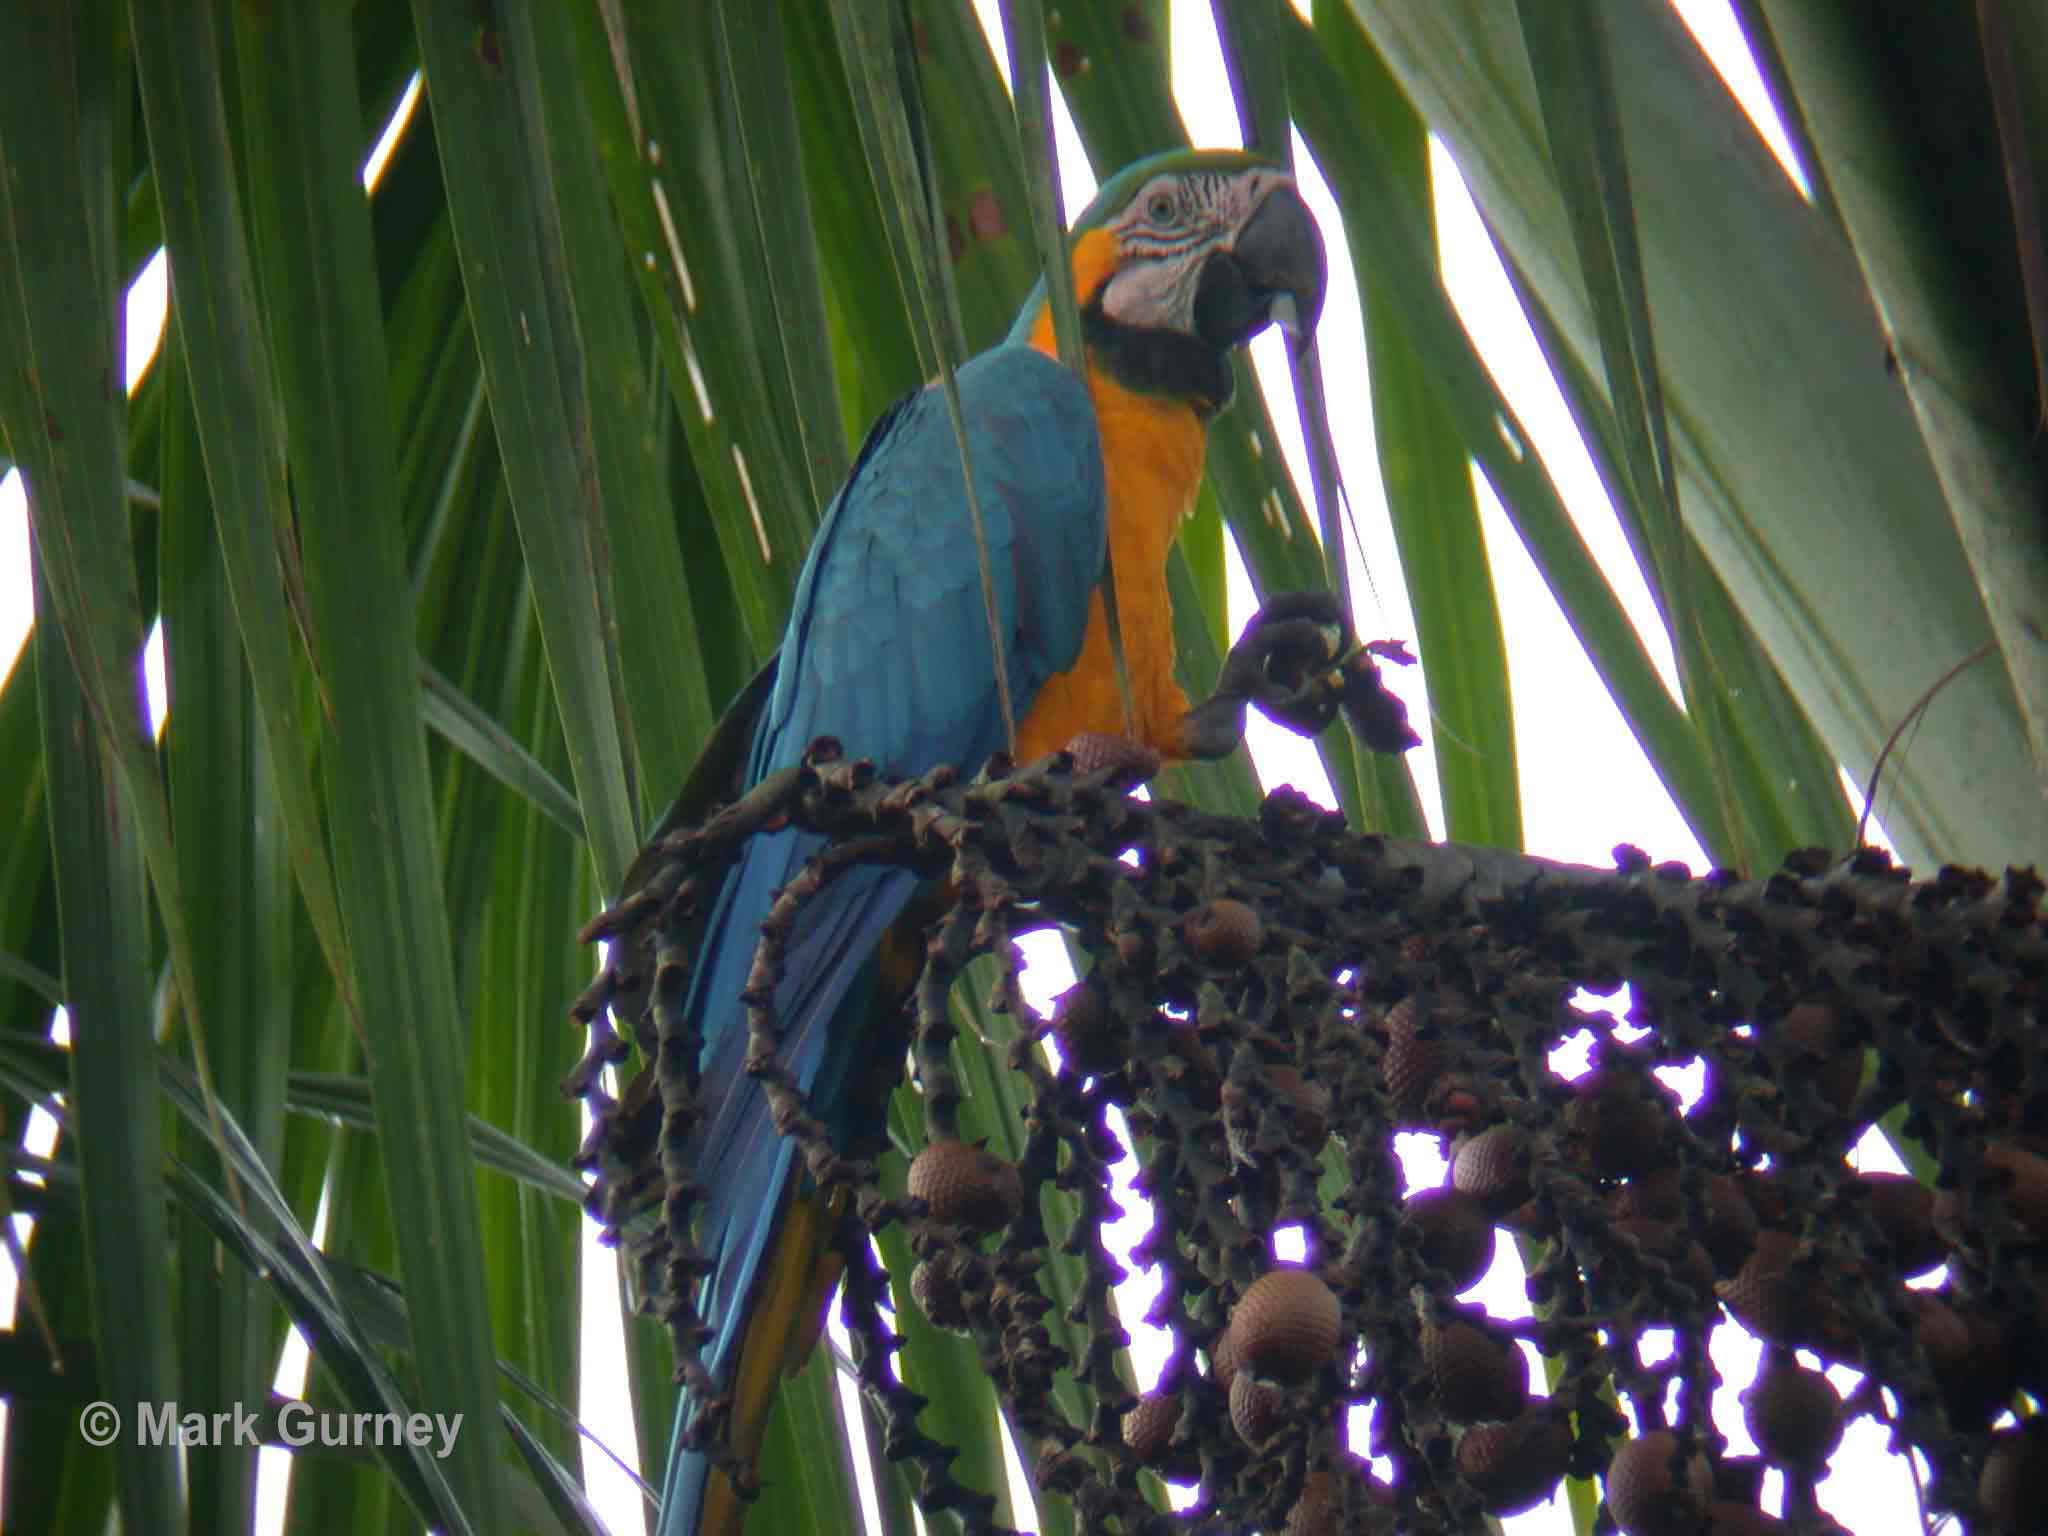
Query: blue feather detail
x=888, y=649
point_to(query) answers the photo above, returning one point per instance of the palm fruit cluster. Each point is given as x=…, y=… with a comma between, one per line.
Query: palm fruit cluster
x=1266, y=1003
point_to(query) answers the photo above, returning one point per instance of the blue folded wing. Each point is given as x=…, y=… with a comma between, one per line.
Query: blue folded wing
x=888, y=643
x=889, y=650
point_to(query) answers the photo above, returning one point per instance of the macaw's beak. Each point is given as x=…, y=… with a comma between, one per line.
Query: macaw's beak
x=1273, y=273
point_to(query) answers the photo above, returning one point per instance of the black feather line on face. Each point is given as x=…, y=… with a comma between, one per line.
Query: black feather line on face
x=1159, y=362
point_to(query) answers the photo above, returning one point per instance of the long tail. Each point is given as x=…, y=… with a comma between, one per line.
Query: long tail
x=770, y=1245
x=783, y=1323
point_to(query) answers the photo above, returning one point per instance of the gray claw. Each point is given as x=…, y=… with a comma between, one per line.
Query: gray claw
x=1213, y=728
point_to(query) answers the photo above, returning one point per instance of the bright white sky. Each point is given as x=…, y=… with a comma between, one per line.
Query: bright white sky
x=1577, y=803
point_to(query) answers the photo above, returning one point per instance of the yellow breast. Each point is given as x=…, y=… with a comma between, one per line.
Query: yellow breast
x=1152, y=449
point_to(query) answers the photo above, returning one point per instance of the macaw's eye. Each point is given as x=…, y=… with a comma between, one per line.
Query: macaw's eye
x=1161, y=208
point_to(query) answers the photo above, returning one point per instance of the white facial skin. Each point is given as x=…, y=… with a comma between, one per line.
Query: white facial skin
x=1177, y=220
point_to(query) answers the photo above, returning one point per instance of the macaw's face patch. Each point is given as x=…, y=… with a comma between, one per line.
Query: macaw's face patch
x=1201, y=259
x=1216, y=255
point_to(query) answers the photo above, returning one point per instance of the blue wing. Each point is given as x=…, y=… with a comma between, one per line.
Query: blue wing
x=888, y=649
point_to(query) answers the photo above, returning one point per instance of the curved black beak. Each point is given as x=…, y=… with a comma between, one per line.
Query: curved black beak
x=1274, y=273
x=1281, y=251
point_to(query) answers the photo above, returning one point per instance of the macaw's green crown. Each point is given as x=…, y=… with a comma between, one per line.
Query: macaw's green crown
x=1115, y=194
x=1182, y=257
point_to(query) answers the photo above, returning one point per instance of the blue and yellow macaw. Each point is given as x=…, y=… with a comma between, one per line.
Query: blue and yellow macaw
x=1181, y=259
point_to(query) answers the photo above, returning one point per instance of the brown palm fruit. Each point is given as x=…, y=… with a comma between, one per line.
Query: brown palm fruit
x=1092, y=1039
x=1515, y=1465
x=2026, y=1157
x=1132, y=761
x=1258, y=1408
x=1477, y=1375
x=2013, y=1176
x=1902, y=1208
x=1411, y=1066
x=1286, y=1325
x=1494, y=1165
x=1456, y=1234
x=1315, y=1513
x=1320, y=1510
x=1148, y=1431
x=1654, y=1490
x=1793, y=1414
x=1969, y=1351
x=1730, y=1229
x=2013, y=1486
x=1620, y=1124
x=966, y=1186
x=1811, y=1041
x=1727, y=1517
x=1790, y=1303
x=936, y=1290
x=1225, y=932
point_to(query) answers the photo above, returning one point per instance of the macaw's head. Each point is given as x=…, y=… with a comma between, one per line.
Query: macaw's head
x=1179, y=259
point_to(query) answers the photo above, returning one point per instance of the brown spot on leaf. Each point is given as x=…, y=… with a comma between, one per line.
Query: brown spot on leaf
x=1137, y=27
x=985, y=216
x=1068, y=60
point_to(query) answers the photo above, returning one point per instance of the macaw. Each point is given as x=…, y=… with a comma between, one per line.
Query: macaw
x=1181, y=259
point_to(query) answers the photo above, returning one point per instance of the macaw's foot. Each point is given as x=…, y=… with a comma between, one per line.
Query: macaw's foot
x=1299, y=662
x=1132, y=761
x=1214, y=727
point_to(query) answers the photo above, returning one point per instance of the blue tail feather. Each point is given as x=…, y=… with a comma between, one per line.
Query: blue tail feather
x=745, y=1165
